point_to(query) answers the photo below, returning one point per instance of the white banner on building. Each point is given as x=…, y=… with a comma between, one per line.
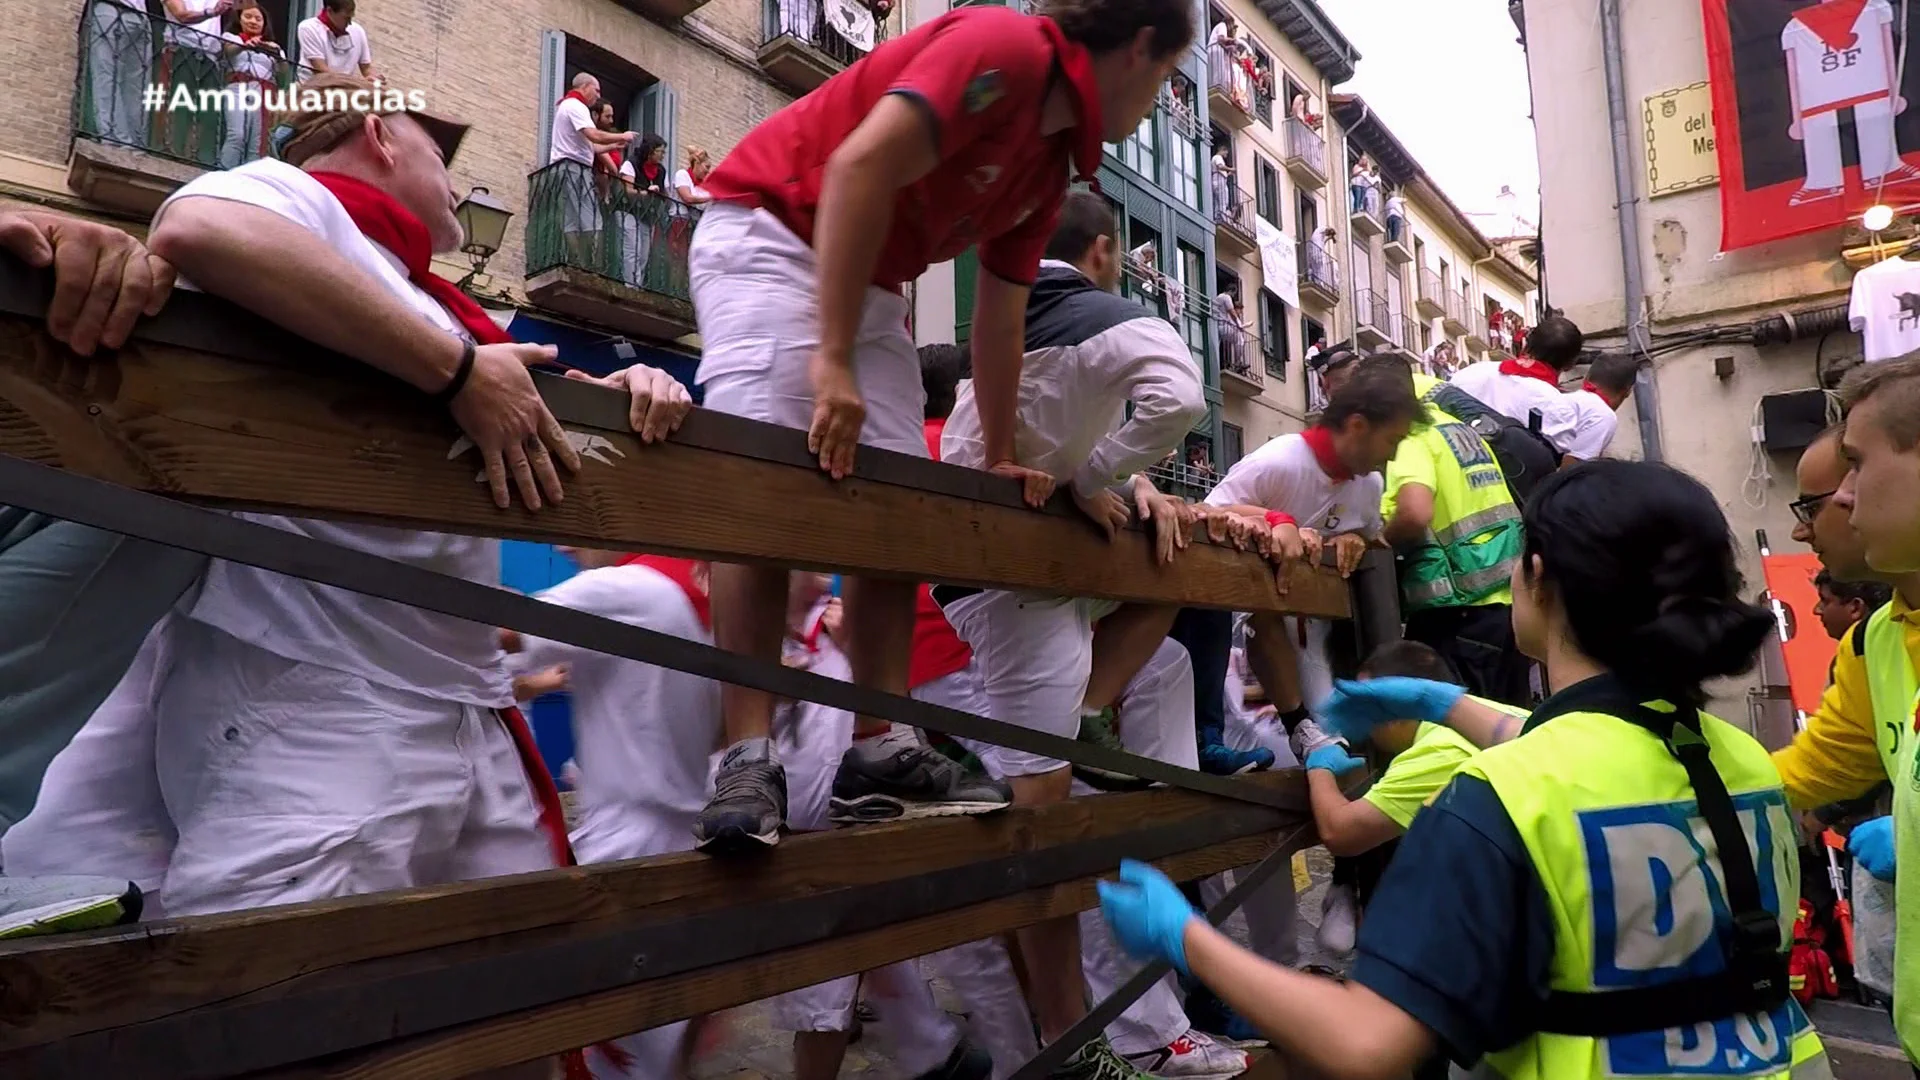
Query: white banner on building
x=852, y=21
x=1279, y=262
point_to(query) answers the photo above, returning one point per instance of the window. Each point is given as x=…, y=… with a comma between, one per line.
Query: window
x=1186, y=170
x=1189, y=276
x=1140, y=151
x=1263, y=86
x=1362, y=266
x=1307, y=216
x=1273, y=334
x=1426, y=336
x=640, y=101
x=1267, y=194
x=1395, y=301
x=1233, y=445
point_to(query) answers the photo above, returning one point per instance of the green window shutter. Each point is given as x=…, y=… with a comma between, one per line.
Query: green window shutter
x=553, y=86
x=966, y=270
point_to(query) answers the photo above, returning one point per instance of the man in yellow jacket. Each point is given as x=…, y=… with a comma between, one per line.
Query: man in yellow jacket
x=1859, y=509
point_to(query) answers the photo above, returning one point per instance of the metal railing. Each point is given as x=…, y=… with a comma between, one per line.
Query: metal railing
x=1236, y=347
x=1145, y=284
x=1432, y=289
x=1500, y=331
x=1408, y=330
x=1231, y=77
x=1182, y=479
x=806, y=21
x=1304, y=143
x=1370, y=309
x=1319, y=267
x=126, y=56
x=597, y=223
x=1182, y=116
x=1364, y=200
x=1236, y=213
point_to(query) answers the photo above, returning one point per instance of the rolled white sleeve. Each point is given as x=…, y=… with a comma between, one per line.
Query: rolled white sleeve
x=1153, y=362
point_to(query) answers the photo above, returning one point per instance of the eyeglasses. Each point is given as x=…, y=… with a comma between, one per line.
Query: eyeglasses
x=1807, y=506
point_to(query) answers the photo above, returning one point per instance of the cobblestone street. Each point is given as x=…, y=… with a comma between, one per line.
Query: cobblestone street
x=751, y=1049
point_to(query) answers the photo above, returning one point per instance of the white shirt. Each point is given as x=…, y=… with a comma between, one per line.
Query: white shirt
x=343, y=53
x=569, y=120
x=1885, y=309
x=1396, y=206
x=1831, y=78
x=389, y=644
x=1285, y=475
x=199, y=30
x=684, y=179
x=248, y=60
x=1593, y=427
x=643, y=733
x=1519, y=396
x=1072, y=418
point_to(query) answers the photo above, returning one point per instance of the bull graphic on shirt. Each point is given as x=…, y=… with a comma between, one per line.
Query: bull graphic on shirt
x=1909, y=313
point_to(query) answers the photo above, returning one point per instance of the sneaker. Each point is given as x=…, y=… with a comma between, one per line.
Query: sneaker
x=1338, y=919
x=1207, y=1013
x=1308, y=736
x=1103, y=729
x=1192, y=1056
x=749, y=804
x=969, y=1061
x=60, y=903
x=1097, y=1060
x=1218, y=759
x=907, y=779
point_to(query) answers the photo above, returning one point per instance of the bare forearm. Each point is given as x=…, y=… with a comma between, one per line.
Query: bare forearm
x=242, y=253
x=1481, y=725
x=856, y=212
x=605, y=140
x=996, y=388
x=1344, y=1031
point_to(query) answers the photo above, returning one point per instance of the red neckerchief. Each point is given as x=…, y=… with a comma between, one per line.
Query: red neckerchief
x=1592, y=389
x=652, y=172
x=1833, y=21
x=337, y=31
x=1077, y=63
x=680, y=572
x=1320, y=441
x=577, y=96
x=382, y=219
x=615, y=157
x=248, y=39
x=1533, y=370
x=812, y=638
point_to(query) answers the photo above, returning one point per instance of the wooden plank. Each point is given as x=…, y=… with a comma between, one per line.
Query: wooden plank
x=340, y=441
x=60, y=988
x=458, y=1052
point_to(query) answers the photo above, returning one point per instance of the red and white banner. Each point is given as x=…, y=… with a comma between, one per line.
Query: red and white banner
x=1808, y=122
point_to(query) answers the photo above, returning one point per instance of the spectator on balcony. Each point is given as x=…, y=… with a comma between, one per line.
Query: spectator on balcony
x=607, y=162
x=332, y=41
x=191, y=59
x=119, y=65
x=1232, y=327
x=645, y=216
x=253, y=60
x=1364, y=183
x=577, y=138
x=1320, y=259
x=1438, y=360
x=1396, y=216
x=687, y=182
x=1303, y=110
x=1230, y=63
x=1222, y=181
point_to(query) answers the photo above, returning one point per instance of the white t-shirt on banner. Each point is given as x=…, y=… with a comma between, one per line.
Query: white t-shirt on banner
x=389, y=644
x=1885, y=309
x=1285, y=475
x=343, y=53
x=569, y=120
x=1832, y=76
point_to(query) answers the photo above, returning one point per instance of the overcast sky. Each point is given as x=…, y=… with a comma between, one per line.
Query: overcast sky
x=1450, y=81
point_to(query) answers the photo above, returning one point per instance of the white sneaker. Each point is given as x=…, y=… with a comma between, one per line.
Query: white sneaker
x=1308, y=736
x=1192, y=1056
x=1338, y=919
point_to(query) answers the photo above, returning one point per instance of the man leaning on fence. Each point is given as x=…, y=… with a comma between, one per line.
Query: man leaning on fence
x=309, y=742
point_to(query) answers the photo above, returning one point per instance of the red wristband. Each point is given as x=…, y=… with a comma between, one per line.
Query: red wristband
x=1276, y=518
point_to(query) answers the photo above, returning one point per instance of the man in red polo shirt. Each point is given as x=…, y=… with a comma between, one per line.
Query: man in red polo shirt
x=959, y=134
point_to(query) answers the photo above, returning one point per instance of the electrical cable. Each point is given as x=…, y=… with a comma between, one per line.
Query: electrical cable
x=1753, y=489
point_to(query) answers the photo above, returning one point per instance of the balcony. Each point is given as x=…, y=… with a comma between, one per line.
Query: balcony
x=129, y=159
x=1189, y=482
x=1500, y=334
x=807, y=43
x=1431, y=302
x=600, y=252
x=1306, y=155
x=1239, y=374
x=1177, y=101
x=1454, y=318
x=664, y=10
x=1146, y=285
x=1395, y=247
x=1371, y=319
x=1476, y=330
x=1366, y=214
x=1233, y=228
x=1231, y=89
x=1408, y=330
x=1319, y=275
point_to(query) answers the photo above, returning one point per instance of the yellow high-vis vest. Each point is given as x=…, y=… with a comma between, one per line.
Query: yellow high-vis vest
x=1896, y=718
x=1640, y=901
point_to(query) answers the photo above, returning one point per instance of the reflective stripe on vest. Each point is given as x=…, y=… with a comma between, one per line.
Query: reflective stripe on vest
x=1609, y=819
x=1469, y=555
x=1896, y=712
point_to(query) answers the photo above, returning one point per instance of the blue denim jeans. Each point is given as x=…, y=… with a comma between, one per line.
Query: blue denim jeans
x=78, y=604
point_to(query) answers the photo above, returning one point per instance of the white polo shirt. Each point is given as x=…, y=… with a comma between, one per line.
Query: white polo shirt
x=389, y=644
x=343, y=53
x=1593, y=427
x=1519, y=396
x=1285, y=475
x=569, y=120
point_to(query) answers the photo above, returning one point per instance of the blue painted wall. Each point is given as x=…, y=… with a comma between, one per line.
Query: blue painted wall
x=529, y=568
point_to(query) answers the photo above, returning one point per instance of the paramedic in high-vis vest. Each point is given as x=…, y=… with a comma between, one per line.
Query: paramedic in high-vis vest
x=1456, y=530
x=1608, y=894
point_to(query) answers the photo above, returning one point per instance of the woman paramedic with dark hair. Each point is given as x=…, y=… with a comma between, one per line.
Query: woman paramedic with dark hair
x=1576, y=902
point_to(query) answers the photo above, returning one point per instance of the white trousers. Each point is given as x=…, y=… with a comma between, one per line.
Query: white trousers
x=755, y=288
x=1873, y=128
x=1035, y=654
x=288, y=782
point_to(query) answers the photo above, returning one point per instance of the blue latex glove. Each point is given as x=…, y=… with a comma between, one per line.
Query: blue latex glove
x=1335, y=759
x=1871, y=845
x=1355, y=708
x=1148, y=914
